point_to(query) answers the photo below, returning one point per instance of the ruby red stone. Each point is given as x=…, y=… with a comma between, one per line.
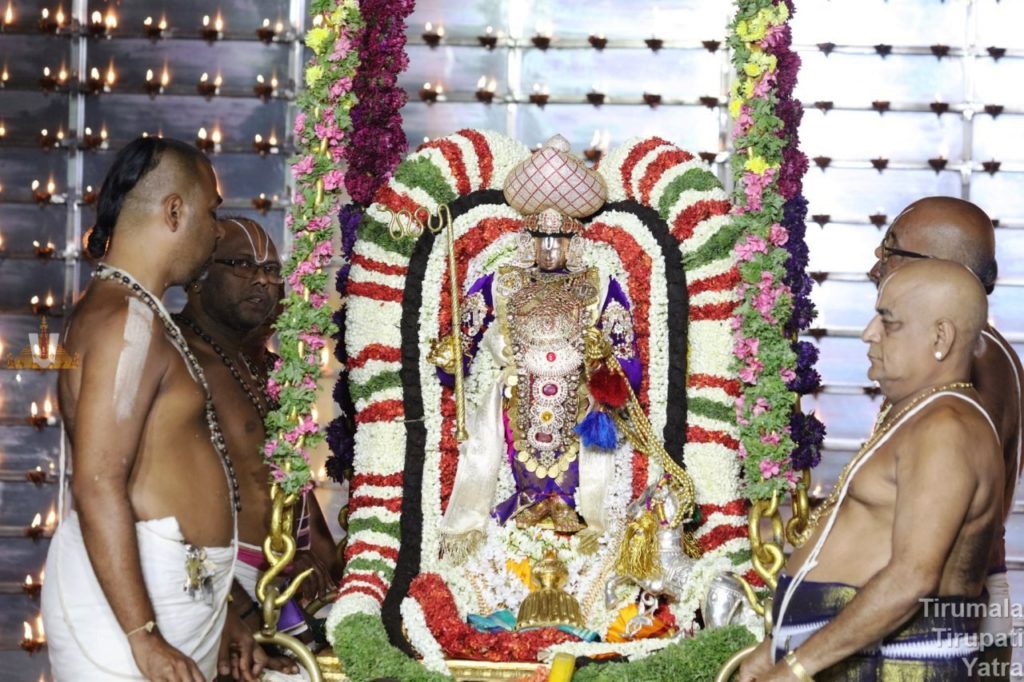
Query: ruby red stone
x=549, y=389
x=544, y=437
x=551, y=357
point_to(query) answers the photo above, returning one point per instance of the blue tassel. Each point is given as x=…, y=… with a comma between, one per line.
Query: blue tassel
x=597, y=430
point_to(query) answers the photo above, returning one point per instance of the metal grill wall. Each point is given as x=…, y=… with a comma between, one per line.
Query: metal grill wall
x=91, y=101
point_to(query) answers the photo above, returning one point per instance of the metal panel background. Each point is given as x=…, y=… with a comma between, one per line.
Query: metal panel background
x=690, y=66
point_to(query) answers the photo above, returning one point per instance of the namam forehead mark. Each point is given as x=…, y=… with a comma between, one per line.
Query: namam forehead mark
x=886, y=306
x=138, y=335
x=890, y=233
x=259, y=243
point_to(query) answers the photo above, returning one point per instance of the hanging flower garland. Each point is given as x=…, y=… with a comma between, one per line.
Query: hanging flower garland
x=776, y=440
x=322, y=141
x=378, y=141
x=377, y=145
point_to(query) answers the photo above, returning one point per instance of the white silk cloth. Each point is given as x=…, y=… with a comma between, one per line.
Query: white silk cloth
x=85, y=641
x=484, y=452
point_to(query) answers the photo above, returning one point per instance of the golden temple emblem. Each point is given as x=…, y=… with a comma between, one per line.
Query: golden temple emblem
x=550, y=605
x=43, y=352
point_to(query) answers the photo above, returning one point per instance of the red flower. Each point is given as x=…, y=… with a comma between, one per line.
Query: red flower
x=609, y=388
x=459, y=640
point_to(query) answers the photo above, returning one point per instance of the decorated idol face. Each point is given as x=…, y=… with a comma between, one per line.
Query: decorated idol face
x=550, y=251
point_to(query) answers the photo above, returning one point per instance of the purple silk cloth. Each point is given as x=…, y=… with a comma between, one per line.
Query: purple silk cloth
x=529, y=488
x=291, y=616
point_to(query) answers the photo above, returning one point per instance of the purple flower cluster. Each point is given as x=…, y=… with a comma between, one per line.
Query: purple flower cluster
x=341, y=430
x=377, y=139
x=807, y=431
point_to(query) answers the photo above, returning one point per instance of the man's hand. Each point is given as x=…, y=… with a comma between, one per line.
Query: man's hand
x=319, y=581
x=161, y=662
x=240, y=656
x=755, y=667
x=779, y=673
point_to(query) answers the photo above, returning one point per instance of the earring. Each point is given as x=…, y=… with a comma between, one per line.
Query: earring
x=938, y=355
x=524, y=248
x=574, y=257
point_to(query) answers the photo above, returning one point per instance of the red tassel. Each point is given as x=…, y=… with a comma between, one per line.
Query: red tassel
x=609, y=388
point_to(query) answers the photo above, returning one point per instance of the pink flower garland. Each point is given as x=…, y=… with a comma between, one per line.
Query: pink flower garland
x=306, y=320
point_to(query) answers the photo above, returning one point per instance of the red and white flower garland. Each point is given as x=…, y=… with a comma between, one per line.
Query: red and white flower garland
x=650, y=171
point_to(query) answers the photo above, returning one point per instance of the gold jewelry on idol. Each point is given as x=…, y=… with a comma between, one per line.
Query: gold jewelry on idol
x=883, y=426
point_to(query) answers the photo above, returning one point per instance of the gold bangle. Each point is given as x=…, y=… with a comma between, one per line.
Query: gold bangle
x=798, y=669
x=148, y=626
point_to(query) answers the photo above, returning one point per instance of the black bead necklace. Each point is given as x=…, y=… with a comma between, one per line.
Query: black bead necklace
x=229, y=363
x=107, y=273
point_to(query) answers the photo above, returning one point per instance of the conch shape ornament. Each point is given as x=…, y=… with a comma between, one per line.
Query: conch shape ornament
x=726, y=603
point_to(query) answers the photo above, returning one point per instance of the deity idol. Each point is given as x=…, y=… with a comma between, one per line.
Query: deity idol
x=539, y=319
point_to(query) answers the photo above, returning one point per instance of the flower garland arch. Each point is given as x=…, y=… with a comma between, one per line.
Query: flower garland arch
x=396, y=499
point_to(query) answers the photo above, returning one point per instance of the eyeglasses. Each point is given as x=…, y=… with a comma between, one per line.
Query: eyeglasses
x=247, y=269
x=890, y=251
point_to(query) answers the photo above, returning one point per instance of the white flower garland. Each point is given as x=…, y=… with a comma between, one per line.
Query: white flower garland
x=640, y=648
x=421, y=638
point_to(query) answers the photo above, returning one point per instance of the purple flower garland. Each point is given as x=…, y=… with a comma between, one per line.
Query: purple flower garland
x=377, y=144
x=378, y=141
x=806, y=430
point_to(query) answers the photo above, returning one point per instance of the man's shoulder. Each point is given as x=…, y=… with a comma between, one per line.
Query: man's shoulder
x=952, y=422
x=997, y=363
x=103, y=317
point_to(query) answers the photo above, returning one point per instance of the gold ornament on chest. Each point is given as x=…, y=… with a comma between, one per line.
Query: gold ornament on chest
x=544, y=315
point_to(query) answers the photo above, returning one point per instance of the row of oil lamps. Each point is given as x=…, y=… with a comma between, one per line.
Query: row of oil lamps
x=210, y=29
x=541, y=39
x=97, y=83
x=486, y=88
x=208, y=141
x=44, y=195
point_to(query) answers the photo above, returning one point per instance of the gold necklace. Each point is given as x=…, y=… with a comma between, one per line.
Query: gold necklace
x=882, y=426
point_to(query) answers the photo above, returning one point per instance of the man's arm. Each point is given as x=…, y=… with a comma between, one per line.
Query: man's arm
x=321, y=542
x=120, y=380
x=935, y=466
x=320, y=556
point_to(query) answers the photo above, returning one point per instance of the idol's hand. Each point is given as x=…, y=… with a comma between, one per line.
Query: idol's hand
x=596, y=344
x=161, y=662
x=442, y=353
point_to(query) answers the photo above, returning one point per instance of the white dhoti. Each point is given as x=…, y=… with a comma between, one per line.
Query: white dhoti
x=998, y=620
x=85, y=641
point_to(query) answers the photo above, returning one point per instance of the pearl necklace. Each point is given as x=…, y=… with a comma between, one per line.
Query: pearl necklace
x=229, y=363
x=882, y=427
x=107, y=273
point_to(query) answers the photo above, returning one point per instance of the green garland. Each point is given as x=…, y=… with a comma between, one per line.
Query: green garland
x=764, y=355
x=694, y=660
x=361, y=641
x=306, y=319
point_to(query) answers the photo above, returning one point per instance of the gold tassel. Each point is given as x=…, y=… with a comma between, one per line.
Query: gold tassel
x=638, y=554
x=691, y=546
x=458, y=548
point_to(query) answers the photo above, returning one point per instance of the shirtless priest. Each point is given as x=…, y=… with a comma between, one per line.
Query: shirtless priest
x=889, y=584
x=138, y=573
x=227, y=317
